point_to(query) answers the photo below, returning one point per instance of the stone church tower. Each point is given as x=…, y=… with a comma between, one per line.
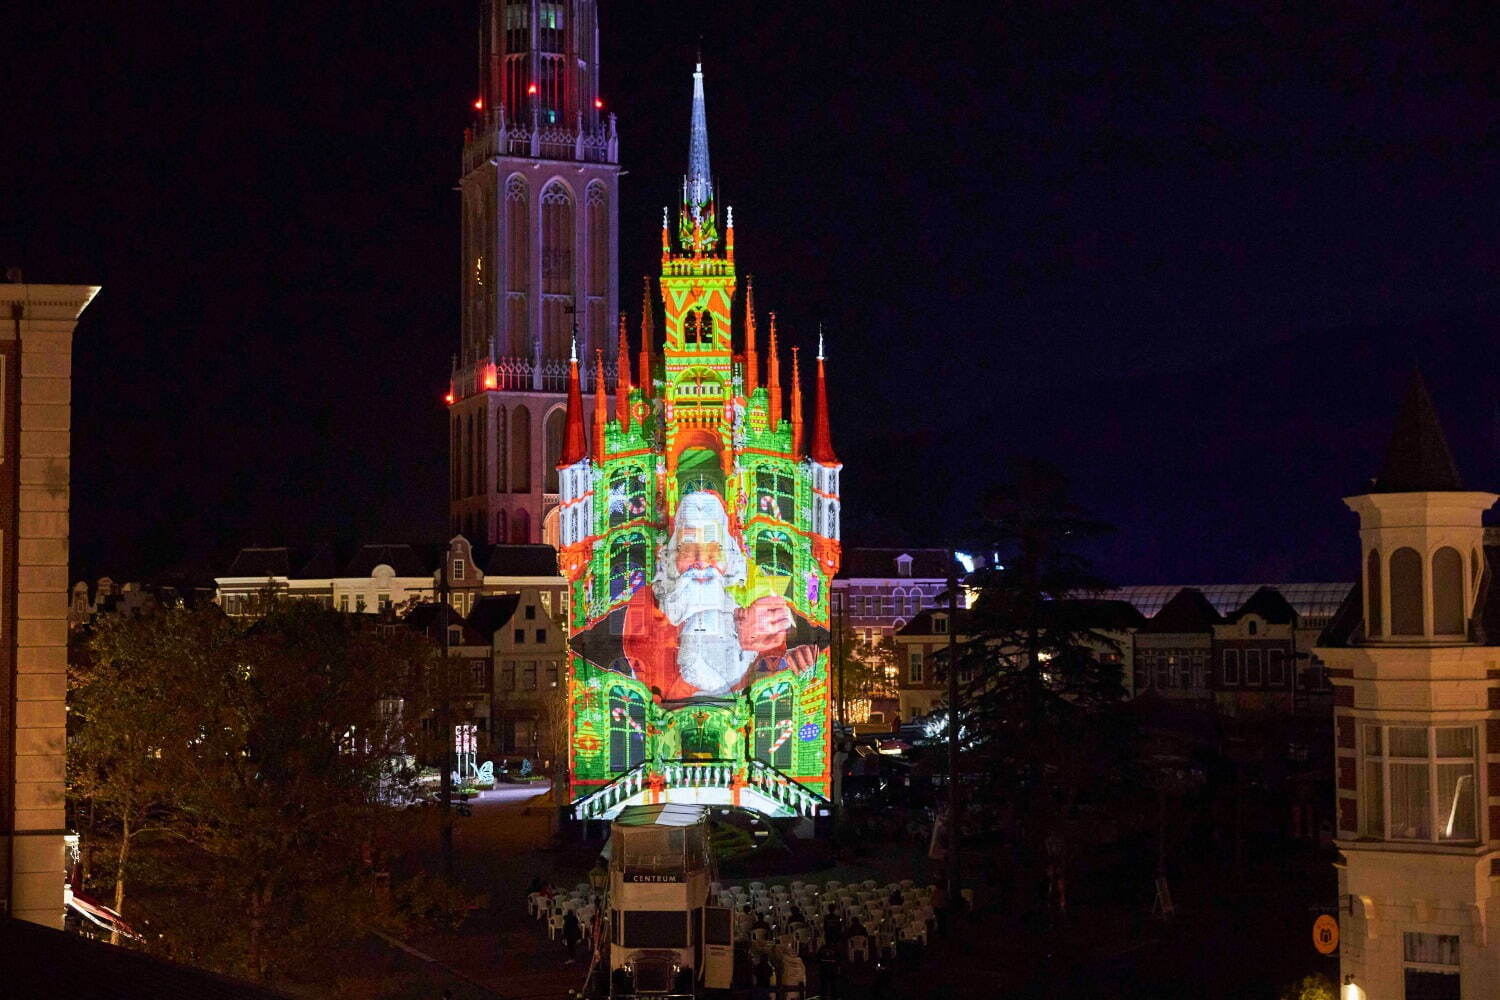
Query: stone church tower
x=1416, y=671
x=539, y=263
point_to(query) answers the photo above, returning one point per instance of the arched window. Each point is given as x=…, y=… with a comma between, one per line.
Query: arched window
x=455, y=458
x=627, y=564
x=469, y=456
x=556, y=426
x=774, y=723
x=627, y=729
x=1374, y=620
x=482, y=463
x=520, y=528
x=500, y=529
x=627, y=494
x=1406, y=592
x=1448, y=616
x=518, y=268
x=502, y=457
x=773, y=553
x=520, y=450
x=775, y=494
x=557, y=269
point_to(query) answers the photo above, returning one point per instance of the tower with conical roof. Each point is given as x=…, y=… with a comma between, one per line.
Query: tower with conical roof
x=700, y=540
x=539, y=196
x=1413, y=660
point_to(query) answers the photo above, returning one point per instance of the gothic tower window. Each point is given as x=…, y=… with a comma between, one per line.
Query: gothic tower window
x=556, y=426
x=557, y=269
x=1406, y=592
x=483, y=440
x=454, y=467
x=1448, y=592
x=597, y=241
x=520, y=451
x=502, y=462
x=520, y=528
x=518, y=270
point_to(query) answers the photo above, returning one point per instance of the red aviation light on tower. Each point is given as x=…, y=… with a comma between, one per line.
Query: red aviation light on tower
x=478, y=104
x=491, y=378
x=598, y=104
x=531, y=89
x=449, y=398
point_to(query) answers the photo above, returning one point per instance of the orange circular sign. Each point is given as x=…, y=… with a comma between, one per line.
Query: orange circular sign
x=1326, y=935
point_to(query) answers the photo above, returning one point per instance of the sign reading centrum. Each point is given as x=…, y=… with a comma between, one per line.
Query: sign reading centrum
x=658, y=877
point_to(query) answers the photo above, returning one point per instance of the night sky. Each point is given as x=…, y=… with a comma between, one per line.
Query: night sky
x=1188, y=252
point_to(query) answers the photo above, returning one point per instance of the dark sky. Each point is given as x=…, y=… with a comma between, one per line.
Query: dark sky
x=1186, y=251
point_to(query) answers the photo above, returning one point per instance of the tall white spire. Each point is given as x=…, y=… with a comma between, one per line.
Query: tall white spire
x=700, y=185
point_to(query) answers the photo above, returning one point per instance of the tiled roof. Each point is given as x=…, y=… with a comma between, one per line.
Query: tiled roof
x=1417, y=460
x=490, y=614
x=1188, y=611
x=401, y=558
x=517, y=560
x=1268, y=603
x=261, y=563
x=926, y=564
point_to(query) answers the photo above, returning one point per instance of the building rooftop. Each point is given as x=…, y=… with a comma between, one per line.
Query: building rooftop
x=881, y=564
x=1417, y=460
x=326, y=561
x=1309, y=600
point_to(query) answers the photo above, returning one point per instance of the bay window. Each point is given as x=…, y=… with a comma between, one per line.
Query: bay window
x=1419, y=783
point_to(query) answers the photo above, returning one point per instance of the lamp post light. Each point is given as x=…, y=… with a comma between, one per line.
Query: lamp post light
x=953, y=804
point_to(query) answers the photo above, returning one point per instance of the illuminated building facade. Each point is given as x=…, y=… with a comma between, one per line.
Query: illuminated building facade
x=539, y=198
x=700, y=534
x=1412, y=656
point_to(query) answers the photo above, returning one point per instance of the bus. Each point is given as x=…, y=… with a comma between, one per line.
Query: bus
x=665, y=939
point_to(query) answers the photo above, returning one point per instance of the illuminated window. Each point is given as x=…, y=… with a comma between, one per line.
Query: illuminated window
x=1419, y=783
x=627, y=494
x=775, y=494
x=773, y=726
x=773, y=553
x=458, y=569
x=627, y=564
x=1430, y=966
x=627, y=729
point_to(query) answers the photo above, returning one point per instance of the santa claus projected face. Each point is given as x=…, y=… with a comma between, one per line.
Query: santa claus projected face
x=696, y=631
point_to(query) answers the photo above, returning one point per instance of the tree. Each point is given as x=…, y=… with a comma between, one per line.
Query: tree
x=124, y=714
x=1038, y=713
x=282, y=773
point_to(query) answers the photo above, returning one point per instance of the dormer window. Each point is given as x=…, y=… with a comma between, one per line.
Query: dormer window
x=903, y=565
x=1252, y=626
x=455, y=636
x=940, y=624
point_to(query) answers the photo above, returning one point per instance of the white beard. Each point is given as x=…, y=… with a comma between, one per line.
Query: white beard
x=708, y=652
x=690, y=596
